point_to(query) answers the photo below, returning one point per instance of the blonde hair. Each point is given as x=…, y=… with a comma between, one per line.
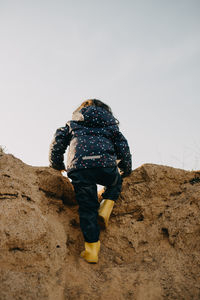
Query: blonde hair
x=94, y=102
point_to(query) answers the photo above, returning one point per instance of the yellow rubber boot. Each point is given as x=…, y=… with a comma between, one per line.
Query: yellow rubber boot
x=105, y=210
x=90, y=254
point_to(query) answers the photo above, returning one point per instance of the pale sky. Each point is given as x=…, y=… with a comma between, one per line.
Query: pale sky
x=140, y=57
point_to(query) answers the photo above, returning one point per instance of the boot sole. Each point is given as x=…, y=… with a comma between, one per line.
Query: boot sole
x=101, y=222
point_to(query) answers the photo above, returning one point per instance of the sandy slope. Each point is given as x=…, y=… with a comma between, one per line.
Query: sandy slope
x=150, y=251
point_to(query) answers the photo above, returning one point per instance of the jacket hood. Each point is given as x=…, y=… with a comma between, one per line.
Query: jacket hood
x=94, y=116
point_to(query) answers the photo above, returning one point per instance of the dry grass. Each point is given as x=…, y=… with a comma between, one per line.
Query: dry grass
x=2, y=149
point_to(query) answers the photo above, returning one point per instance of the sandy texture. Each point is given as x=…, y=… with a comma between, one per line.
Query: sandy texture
x=151, y=249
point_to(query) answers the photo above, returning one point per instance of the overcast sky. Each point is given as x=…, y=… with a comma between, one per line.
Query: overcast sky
x=140, y=57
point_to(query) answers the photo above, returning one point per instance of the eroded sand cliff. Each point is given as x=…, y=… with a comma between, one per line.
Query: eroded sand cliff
x=151, y=249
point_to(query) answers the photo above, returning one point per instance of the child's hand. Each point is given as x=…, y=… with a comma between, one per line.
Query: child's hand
x=125, y=174
x=64, y=173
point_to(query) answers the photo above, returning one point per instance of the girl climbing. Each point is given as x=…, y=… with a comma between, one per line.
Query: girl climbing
x=95, y=144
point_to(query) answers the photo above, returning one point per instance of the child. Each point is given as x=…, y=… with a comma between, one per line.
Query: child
x=95, y=144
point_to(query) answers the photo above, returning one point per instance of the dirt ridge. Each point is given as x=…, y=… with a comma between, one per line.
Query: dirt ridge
x=151, y=249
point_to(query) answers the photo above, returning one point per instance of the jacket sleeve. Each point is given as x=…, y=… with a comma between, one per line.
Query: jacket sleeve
x=58, y=147
x=123, y=153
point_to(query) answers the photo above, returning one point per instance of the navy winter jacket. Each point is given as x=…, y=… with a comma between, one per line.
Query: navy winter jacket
x=94, y=140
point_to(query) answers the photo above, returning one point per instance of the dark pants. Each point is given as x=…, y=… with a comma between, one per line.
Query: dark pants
x=85, y=185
